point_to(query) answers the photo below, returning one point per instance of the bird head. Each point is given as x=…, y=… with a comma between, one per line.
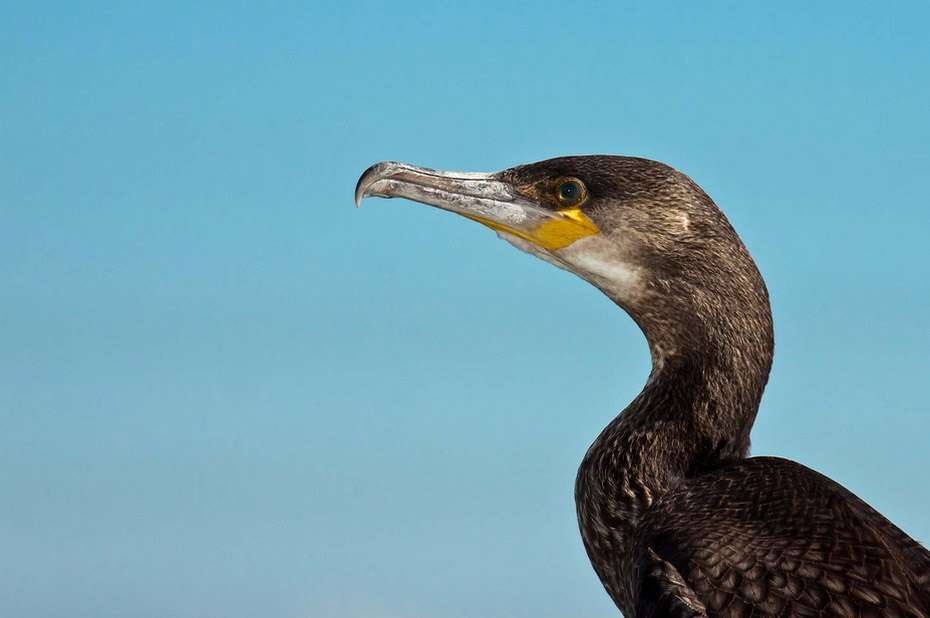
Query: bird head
x=642, y=232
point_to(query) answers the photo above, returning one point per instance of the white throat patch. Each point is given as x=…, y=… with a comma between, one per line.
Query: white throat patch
x=596, y=260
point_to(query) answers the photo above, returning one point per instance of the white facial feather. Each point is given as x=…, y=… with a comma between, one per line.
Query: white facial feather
x=595, y=259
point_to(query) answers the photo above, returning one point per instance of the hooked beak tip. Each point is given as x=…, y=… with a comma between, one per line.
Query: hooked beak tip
x=369, y=177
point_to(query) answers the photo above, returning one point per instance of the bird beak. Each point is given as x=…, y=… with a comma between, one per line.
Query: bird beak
x=489, y=199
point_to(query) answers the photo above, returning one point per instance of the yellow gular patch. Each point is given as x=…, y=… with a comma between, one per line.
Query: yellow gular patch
x=553, y=234
x=559, y=233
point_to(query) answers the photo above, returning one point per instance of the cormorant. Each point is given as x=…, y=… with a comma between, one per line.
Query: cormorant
x=677, y=520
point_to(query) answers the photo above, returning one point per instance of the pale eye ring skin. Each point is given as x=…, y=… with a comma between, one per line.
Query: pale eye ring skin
x=570, y=191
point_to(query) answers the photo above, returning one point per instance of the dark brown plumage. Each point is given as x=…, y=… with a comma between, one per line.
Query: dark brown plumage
x=676, y=520
x=769, y=537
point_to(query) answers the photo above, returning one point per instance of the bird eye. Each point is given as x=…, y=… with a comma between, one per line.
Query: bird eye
x=570, y=191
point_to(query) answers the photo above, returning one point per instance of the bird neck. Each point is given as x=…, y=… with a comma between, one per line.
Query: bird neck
x=693, y=415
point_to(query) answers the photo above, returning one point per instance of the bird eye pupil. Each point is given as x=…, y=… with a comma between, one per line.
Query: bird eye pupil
x=569, y=191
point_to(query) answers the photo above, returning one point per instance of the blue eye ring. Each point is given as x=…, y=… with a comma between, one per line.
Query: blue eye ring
x=570, y=191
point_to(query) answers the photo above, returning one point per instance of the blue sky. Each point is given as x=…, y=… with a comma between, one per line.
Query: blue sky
x=224, y=391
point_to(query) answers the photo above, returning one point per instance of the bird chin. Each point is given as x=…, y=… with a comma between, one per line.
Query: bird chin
x=593, y=260
x=533, y=249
